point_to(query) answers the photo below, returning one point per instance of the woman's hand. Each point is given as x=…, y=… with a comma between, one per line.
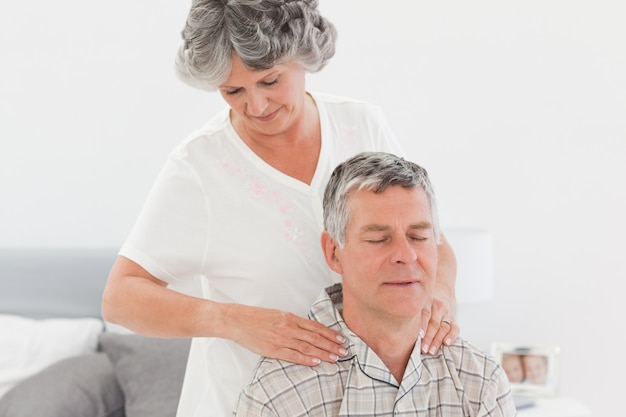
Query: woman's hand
x=438, y=324
x=438, y=320
x=281, y=335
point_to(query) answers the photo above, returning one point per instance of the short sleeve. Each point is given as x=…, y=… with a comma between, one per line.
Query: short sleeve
x=170, y=235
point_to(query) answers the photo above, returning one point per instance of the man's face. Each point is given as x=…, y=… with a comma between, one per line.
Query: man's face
x=389, y=259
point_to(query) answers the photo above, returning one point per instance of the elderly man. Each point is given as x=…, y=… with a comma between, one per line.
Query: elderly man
x=381, y=236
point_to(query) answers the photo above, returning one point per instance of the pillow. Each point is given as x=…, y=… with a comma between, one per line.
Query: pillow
x=76, y=387
x=150, y=371
x=28, y=345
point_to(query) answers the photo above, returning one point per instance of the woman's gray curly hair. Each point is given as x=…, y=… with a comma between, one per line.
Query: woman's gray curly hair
x=262, y=33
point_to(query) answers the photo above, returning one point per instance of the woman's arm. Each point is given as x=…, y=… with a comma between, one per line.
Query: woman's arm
x=142, y=303
x=438, y=318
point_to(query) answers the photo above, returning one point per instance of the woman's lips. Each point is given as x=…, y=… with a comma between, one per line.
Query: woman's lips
x=268, y=117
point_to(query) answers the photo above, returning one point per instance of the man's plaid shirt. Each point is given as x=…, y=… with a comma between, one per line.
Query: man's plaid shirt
x=459, y=381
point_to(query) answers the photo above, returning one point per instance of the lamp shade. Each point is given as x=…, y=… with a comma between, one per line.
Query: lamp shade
x=474, y=260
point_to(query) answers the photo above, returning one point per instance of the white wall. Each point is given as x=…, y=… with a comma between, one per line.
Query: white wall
x=517, y=110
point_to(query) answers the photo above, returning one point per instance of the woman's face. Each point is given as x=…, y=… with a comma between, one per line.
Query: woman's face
x=266, y=102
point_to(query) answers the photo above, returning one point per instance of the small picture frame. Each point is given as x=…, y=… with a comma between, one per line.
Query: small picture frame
x=531, y=370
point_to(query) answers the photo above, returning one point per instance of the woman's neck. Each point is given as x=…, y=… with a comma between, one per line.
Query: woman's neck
x=294, y=152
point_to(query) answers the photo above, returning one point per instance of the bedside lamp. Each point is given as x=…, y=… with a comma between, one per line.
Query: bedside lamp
x=474, y=262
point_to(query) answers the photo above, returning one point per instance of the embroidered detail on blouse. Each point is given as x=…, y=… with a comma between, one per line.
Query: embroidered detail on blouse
x=259, y=190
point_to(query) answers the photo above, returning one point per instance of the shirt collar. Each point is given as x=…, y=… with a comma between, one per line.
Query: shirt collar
x=326, y=310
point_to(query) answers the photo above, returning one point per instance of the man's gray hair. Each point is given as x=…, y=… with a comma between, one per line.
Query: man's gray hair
x=372, y=171
x=262, y=33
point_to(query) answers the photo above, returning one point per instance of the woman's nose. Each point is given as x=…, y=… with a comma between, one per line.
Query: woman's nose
x=257, y=103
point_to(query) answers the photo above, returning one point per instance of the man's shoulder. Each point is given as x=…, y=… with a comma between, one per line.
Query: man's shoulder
x=465, y=358
x=276, y=372
x=462, y=347
x=268, y=367
x=285, y=388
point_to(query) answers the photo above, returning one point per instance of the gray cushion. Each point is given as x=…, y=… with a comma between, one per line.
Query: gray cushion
x=149, y=370
x=80, y=386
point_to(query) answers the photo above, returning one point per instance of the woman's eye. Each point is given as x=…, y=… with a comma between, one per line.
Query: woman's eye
x=270, y=83
x=232, y=92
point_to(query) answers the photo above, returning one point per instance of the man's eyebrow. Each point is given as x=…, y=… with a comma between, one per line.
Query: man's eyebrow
x=383, y=227
x=421, y=225
x=375, y=228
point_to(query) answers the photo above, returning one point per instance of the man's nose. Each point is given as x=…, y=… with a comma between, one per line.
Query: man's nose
x=403, y=251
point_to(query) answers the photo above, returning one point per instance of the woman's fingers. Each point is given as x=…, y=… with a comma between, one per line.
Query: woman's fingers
x=285, y=336
x=438, y=320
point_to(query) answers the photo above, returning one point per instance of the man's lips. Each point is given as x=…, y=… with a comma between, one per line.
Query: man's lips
x=402, y=282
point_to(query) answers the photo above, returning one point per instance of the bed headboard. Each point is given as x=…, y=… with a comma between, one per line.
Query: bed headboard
x=54, y=282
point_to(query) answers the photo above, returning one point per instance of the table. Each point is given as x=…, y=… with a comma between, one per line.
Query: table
x=555, y=407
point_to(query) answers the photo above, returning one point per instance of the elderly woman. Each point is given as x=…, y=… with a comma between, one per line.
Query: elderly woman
x=236, y=209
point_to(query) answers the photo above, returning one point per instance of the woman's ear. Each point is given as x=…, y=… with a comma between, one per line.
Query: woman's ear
x=330, y=248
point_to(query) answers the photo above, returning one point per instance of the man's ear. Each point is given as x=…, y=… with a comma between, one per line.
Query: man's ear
x=330, y=247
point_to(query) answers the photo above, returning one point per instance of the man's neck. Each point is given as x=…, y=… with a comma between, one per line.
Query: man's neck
x=392, y=340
